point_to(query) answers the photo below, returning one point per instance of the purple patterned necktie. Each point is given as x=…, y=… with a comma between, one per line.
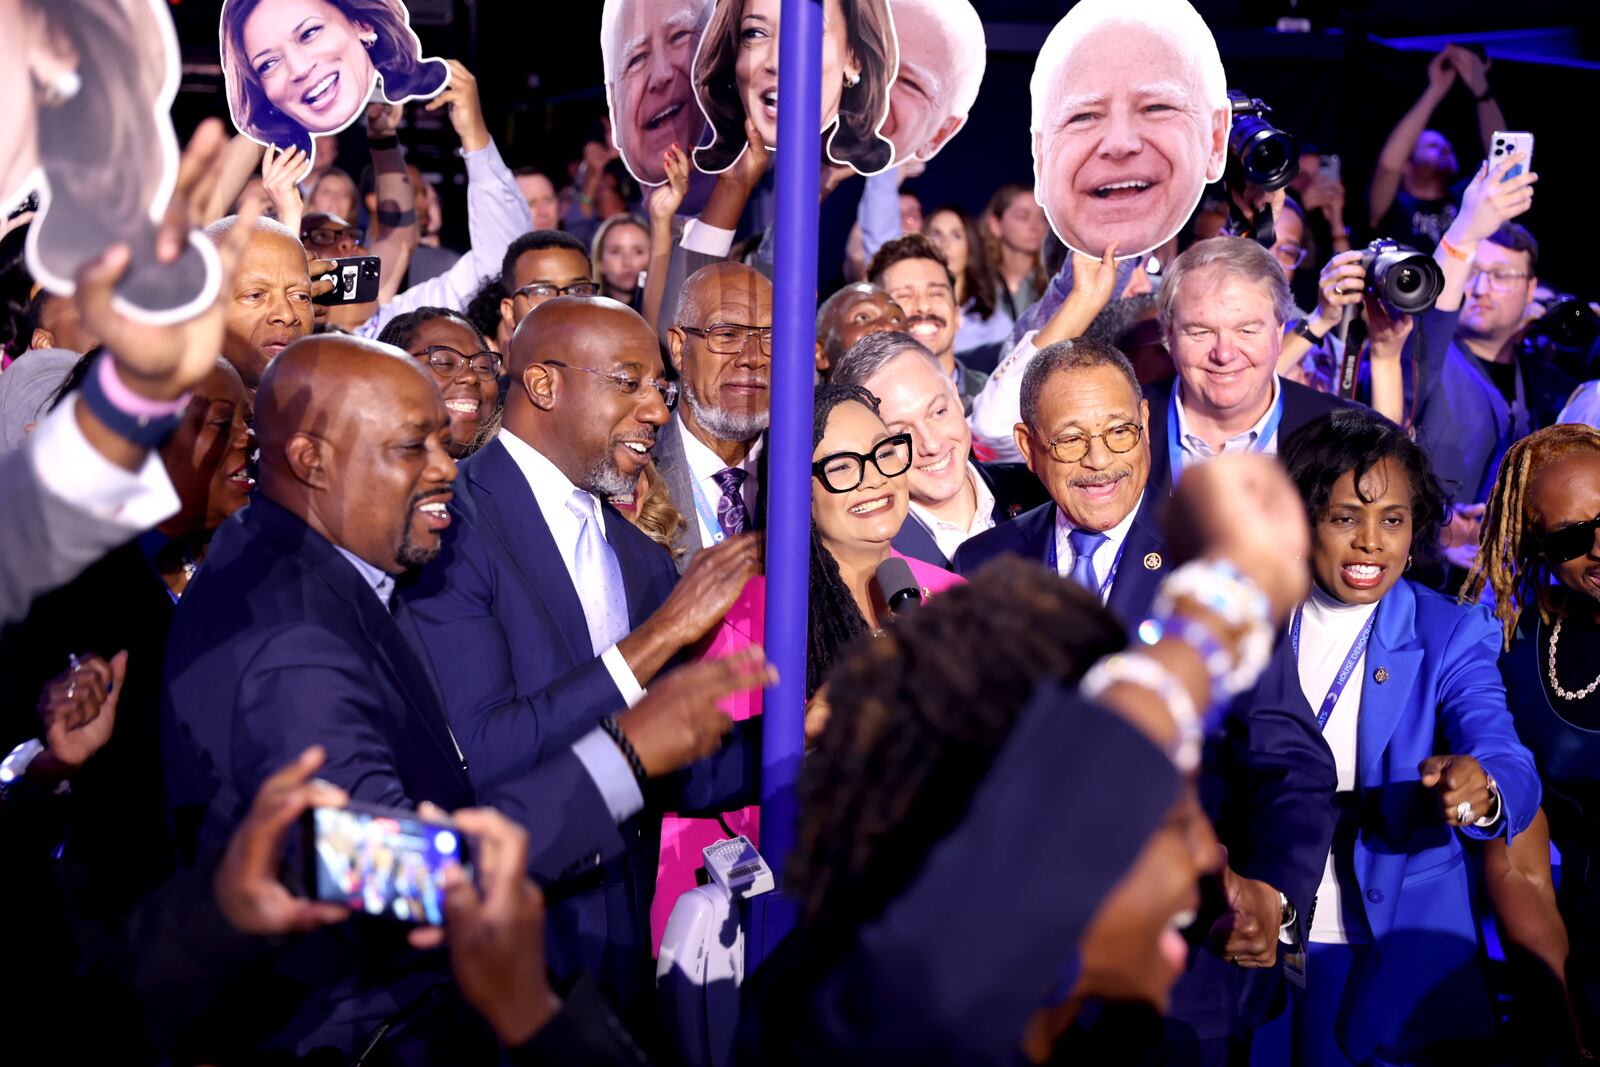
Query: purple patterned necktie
x=731, y=512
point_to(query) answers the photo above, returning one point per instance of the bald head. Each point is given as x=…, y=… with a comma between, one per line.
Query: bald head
x=270, y=303
x=854, y=312
x=586, y=390
x=353, y=441
x=720, y=286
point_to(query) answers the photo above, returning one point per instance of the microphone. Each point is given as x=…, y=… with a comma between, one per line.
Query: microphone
x=899, y=587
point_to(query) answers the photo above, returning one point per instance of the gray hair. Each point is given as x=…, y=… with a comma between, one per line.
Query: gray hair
x=223, y=226
x=863, y=360
x=1063, y=356
x=1238, y=256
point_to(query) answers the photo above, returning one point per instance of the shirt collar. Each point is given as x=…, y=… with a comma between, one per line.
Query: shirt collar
x=1114, y=536
x=380, y=580
x=983, y=517
x=705, y=464
x=551, y=488
x=1195, y=445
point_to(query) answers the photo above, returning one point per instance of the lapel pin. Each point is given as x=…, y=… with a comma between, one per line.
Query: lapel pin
x=1381, y=675
x=1152, y=562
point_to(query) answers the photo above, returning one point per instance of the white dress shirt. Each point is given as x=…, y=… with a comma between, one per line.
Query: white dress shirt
x=704, y=466
x=1105, y=557
x=69, y=468
x=948, y=535
x=1328, y=629
x=997, y=409
x=1195, y=449
x=551, y=491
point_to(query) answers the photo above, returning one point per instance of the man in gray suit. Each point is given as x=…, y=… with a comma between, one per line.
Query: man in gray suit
x=709, y=454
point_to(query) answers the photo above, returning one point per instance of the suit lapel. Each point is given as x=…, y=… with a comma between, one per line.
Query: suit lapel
x=915, y=540
x=1394, y=650
x=1160, y=397
x=1142, y=565
x=506, y=504
x=636, y=576
x=673, y=465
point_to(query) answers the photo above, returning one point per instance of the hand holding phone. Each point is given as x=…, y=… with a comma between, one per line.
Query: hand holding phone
x=381, y=861
x=1504, y=143
x=355, y=281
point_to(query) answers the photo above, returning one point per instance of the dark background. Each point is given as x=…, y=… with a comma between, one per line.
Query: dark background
x=1341, y=86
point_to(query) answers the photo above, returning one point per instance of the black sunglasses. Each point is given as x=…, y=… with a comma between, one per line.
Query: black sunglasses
x=1569, y=542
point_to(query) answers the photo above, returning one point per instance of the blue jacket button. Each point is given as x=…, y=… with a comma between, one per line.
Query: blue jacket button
x=1375, y=895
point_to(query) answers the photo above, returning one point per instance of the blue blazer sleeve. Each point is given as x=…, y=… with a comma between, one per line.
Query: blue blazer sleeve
x=1476, y=721
x=460, y=612
x=1428, y=348
x=959, y=962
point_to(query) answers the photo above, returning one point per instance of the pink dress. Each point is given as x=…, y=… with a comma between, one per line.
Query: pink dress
x=682, y=839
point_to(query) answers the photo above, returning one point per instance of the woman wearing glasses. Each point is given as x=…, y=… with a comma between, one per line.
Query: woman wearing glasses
x=460, y=364
x=860, y=493
x=1404, y=687
x=1540, y=559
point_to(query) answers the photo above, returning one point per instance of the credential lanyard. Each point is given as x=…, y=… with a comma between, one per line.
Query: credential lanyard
x=707, y=516
x=1346, y=669
x=1175, y=442
x=1111, y=575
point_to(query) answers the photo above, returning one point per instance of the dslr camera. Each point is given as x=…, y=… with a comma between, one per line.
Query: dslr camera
x=1403, y=278
x=1258, y=152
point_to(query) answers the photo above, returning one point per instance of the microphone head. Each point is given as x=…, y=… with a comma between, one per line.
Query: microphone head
x=899, y=586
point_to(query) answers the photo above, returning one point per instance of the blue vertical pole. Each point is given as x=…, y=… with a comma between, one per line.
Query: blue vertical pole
x=789, y=439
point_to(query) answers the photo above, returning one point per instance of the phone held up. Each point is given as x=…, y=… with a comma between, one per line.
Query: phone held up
x=1503, y=143
x=355, y=281
x=380, y=861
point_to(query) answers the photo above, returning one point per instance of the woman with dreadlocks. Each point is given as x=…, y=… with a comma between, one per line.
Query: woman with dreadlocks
x=1540, y=558
x=860, y=493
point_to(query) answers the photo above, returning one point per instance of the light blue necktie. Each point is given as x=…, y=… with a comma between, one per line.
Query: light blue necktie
x=597, y=577
x=1084, y=543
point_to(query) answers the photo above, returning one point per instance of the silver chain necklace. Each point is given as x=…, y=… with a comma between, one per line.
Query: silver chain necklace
x=1555, y=686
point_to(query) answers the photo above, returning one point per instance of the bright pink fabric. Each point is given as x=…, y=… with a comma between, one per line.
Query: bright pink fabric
x=683, y=839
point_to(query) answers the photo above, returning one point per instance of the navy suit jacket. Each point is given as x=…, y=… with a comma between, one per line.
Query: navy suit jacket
x=1300, y=406
x=1029, y=535
x=1015, y=490
x=279, y=643
x=503, y=625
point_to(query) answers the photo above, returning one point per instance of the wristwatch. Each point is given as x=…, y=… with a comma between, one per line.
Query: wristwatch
x=1286, y=911
x=1304, y=329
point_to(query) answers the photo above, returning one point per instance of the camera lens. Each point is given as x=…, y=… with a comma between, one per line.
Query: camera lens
x=1407, y=280
x=1267, y=157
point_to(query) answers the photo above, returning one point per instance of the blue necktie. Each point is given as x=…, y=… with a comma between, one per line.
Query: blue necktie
x=597, y=577
x=731, y=510
x=1084, y=543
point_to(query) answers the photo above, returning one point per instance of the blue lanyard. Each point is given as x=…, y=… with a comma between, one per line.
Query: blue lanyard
x=1111, y=575
x=1175, y=442
x=1346, y=669
x=707, y=516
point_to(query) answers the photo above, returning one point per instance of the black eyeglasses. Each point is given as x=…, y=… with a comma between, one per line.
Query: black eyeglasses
x=327, y=236
x=447, y=362
x=625, y=385
x=545, y=291
x=1070, y=448
x=1569, y=542
x=729, y=338
x=843, y=471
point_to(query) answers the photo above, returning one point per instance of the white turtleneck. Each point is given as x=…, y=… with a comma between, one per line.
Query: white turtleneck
x=1328, y=628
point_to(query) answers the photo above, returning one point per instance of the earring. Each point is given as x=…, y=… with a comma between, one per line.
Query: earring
x=851, y=80
x=368, y=39
x=62, y=87
x=1408, y=563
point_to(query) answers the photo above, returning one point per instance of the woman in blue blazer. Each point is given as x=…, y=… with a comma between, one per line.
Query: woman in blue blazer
x=1405, y=686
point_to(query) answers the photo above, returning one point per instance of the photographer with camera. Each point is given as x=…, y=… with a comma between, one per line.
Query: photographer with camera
x=1413, y=195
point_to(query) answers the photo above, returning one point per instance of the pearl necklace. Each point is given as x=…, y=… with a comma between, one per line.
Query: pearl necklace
x=1555, y=686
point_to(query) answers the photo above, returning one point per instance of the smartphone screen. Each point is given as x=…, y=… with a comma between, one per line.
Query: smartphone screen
x=355, y=281
x=385, y=863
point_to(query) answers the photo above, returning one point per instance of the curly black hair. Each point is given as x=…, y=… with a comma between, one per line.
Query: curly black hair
x=1358, y=439
x=832, y=617
x=917, y=718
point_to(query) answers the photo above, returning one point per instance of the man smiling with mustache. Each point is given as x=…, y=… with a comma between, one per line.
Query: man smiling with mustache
x=915, y=273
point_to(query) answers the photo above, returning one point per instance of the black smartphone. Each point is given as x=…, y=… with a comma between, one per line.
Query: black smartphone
x=380, y=861
x=355, y=281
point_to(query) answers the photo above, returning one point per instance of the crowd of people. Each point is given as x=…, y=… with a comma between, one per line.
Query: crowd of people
x=1243, y=711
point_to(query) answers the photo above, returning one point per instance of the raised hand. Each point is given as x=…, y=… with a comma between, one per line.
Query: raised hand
x=78, y=711
x=281, y=175
x=1441, y=73
x=466, y=111
x=1473, y=70
x=1490, y=200
x=1387, y=332
x=246, y=882
x=679, y=720
x=383, y=120
x=751, y=166
x=665, y=200
x=709, y=586
x=161, y=362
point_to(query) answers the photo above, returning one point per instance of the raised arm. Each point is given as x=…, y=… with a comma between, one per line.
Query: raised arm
x=1403, y=138
x=1475, y=76
x=394, y=225
x=664, y=204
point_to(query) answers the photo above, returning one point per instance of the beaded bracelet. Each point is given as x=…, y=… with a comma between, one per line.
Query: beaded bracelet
x=1147, y=672
x=629, y=753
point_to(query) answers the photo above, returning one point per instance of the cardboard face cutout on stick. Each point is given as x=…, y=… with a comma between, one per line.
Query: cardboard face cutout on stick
x=1130, y=122
x=736, y=75
x=942, y=58
x=86, y=88
x=298, y=69
x=648, y=49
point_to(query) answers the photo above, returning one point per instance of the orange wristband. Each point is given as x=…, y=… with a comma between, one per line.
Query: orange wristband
x=1452, y=251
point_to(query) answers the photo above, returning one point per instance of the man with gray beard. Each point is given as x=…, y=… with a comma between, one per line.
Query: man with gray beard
x=709, y=454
